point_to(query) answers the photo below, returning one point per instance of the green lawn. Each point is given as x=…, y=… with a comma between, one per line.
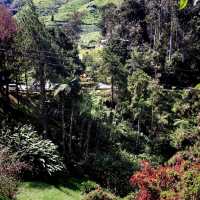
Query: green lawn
x=43, y=191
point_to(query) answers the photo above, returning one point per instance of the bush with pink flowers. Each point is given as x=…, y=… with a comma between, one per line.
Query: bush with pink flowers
x=10, y=171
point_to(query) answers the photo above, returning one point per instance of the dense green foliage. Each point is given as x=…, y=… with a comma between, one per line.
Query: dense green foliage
x=41, y=155
x=71, y=105
x=99, y=194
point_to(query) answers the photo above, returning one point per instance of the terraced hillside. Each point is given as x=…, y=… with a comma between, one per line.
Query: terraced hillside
x=63, y=9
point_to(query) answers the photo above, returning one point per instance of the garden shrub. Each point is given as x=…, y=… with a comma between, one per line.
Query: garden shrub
x=191, y=185
x=88, y=186
x=191, y=153
x=130, y=196
x=41, y=154
x=99, y=194
x=184, y=137
x=10, y=169
x=8, y=187
x=186, y=123
x=178, y=181
x=127, y=138
x=114, y=169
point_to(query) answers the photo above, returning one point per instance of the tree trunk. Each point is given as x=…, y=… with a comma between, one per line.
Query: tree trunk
x=82, y=134
x=152, y=118
x=70, y=130
x=7, y=92
x=112, y=91
x=138, y=126
x=63, y=123
x=26, y=82
x=171, y=31
x=170, y=42
x=17, y=85
x=88, y=139
x=97, y=135
x=159, y=21
x=154, y=38
x=43, y=99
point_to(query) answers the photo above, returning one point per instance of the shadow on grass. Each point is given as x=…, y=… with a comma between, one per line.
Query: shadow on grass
x=39, y=185
x=71, y=183
x=64, y=185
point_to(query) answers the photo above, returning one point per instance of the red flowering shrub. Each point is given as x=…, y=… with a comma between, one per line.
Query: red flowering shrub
x=168, y=182
x=7, y=24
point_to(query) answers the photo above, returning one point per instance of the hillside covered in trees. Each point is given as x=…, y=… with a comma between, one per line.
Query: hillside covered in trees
x=56, y=12
x=100, y=100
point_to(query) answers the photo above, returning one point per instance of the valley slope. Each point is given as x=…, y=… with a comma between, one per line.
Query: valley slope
x=61, y=10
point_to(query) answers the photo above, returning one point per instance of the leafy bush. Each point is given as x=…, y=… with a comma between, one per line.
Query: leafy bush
x=88, y=186
x=130, y=196
x=186, y=125
x=184, y=137
x=191, y=153
x=150, y=110
x=10, y=169
x=8, y=187
x=178, y=181
x=114, y=169
x=41, y=154
x=125, y=137
x=99, y=194
x=191, y=184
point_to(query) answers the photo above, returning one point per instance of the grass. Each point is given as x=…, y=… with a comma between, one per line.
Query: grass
x=104, y=2
x=87, y=38
x=68, y=8
x=71, y=190
x=43, y=3
x=95, y=53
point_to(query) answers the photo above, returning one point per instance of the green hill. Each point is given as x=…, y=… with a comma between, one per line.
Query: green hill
x=62, y=9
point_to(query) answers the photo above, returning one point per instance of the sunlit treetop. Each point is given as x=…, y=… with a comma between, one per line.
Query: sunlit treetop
x=183, y=3
x=7, y=24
